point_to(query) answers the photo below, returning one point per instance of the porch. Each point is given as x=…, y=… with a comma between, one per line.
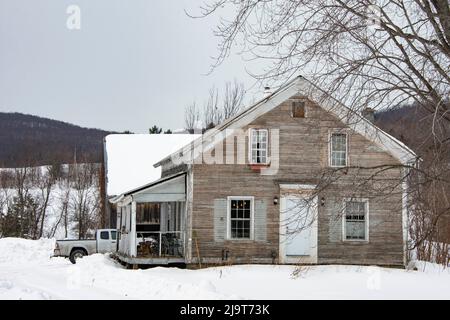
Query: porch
x=151, y=223
x=159, y=231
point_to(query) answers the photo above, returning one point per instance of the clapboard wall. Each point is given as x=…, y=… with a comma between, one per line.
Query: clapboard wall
x=303, y=154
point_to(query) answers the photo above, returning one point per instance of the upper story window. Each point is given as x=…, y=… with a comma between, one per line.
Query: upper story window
x=356, y=220
x=338, y=150
x=240, y=217
x=259, y=146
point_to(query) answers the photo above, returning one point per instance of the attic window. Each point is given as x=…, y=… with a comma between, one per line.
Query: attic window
x=298, y=109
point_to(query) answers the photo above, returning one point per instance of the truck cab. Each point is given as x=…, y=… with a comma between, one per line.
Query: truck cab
x=105, y=241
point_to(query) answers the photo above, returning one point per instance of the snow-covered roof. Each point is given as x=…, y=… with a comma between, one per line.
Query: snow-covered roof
x=129, y=158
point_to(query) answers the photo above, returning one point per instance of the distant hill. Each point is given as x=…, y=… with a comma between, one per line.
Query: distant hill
x=31, y=140
x=27, y=140
x=412, y=125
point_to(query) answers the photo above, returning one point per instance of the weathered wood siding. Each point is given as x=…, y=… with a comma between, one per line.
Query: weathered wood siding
x=303, y=157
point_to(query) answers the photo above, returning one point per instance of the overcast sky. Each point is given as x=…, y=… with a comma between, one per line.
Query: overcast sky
x=133, y=63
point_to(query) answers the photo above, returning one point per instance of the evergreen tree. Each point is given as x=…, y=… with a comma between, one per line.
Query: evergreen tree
x=155, y=130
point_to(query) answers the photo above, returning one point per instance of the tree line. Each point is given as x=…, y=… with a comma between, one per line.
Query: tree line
x=48, y=201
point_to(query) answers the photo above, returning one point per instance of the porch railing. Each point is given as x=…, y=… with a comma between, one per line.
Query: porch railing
x=160, y=243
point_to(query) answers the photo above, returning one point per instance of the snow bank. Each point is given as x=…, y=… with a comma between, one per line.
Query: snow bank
x=102, y=273
x=18, y=251
x=428, y=267
x=26, y=272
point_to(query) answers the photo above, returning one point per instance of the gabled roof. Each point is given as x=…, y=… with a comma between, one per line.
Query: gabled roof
x=303, y=87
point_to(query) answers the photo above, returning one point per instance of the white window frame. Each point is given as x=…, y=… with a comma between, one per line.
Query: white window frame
x=252, y=217
x=330, y=148
x=367, y=220
x=250, y=146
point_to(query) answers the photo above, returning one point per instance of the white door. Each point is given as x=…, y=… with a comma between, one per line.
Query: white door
x=298, y=226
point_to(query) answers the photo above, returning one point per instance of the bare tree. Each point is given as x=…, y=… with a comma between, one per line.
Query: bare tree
x=217, y=108
x=23, y=178
x=233, y=99
x=5, y=199
x=45, y=185
x=212, y=113
x=366, y=53
x=191, y=117
x=31, y=198
x=63, y=208
x=85, y=199
x=429, y=184
x=378, y=54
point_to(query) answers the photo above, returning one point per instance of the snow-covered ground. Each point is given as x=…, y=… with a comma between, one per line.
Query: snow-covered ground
x=27, y=272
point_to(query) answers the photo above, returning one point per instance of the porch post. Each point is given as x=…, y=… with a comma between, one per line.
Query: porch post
x=133, y=249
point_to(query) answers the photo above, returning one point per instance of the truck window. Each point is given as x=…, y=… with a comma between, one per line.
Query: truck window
x=104, y=235
x=113, y=235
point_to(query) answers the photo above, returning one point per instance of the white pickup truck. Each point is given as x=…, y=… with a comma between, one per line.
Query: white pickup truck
x=105, y=241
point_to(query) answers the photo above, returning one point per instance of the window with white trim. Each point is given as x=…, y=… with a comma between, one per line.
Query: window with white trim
x=259, y=142
x=356, y=220
x=338, y=150
x=240, y=217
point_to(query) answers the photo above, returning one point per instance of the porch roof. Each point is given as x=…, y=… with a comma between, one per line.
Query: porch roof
x=169, y=188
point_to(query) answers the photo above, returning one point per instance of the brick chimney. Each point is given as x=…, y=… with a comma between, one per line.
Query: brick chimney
x=369, y=114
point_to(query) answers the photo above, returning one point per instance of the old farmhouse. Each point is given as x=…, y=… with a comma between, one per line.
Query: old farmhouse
x=296, y=178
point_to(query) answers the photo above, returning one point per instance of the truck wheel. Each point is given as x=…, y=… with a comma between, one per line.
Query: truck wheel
x=76, y=254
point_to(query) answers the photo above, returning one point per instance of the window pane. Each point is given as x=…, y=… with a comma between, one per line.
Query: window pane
x=104, y=235
x=355, y=220
x=338, y=141
x=259, y=145
x=338, y=149
x=240, y=218
x=356, y=230
x=114, y=235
